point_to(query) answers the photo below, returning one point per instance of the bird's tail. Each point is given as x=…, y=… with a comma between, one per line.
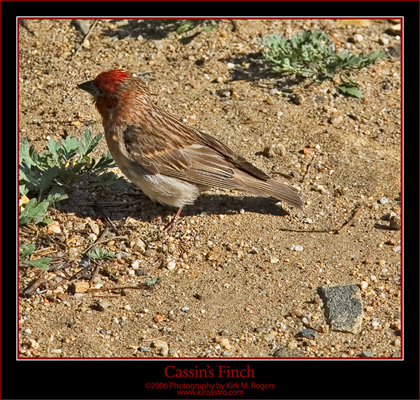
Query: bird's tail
x=272, y=188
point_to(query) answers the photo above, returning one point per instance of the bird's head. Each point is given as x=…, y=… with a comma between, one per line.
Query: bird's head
x=117, y=94
x=106, y=83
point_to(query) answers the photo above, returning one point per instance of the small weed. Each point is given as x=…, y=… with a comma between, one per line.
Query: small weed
x=101, y=254
x=25, y=250
x=44, y=177
x=310, y=54
x=152, y=281
x=187, y=25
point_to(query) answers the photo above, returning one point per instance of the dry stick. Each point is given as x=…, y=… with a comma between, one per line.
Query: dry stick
x=355, y=215
x=104, y=289
x=34, y=285
x=106, y=218
x=81, y=44
x=307, y=169
x=104, y=241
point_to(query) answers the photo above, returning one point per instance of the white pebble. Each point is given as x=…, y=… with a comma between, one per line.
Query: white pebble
x=358, y=38
x=171, y=265
x=384, y=41
x=319, y=188
x=230, y=66
x=384, y=200
x=297, y=247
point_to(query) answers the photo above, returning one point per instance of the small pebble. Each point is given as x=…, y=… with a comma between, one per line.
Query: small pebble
x=337, y=121
x=394, y=30
x=80, y=287
x=307, y=333
x=297, y=247
x=368, y=353
x=269, y=337
x=358, y=38
x=185, y=309
x=171, y=265
x=102, y=305
x=297, y=99
x=161, y=346
x=384, y=200
x=82, y=25
x=384, y=41
x=386, y=86
x=139, y=246
x=158, y=318
x=319, y=188
x=395, y=223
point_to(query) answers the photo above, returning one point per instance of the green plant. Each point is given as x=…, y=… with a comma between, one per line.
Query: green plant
x=310, y=54
x=25, y=250
x=152, y=281
x=101, y=254
x=187, y=25
x=46, y=176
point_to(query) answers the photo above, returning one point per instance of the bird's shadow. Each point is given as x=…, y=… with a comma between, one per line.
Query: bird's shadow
x=109, y=205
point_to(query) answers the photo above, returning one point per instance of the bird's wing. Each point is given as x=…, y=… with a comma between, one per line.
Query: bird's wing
x=194, y=162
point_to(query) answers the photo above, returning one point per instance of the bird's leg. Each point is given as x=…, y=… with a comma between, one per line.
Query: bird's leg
x=168, y=228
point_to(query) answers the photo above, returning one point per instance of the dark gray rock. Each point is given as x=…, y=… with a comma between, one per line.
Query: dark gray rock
x=343, y=307
x=307, y=333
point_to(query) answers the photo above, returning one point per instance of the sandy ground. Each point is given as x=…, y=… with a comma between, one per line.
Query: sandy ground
x=239, y=274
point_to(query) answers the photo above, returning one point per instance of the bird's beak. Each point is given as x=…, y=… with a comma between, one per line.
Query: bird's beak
x=88, y=87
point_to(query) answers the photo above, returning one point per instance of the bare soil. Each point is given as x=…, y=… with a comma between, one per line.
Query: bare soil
x=239, y=274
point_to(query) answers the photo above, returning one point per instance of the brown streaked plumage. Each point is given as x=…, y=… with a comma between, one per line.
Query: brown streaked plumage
x=170, y=161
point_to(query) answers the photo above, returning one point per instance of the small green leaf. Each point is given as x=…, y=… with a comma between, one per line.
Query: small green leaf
x=87, y=144
x=184, y=27
x=56, y=193
x=209, y=27
x=100, y=253
x=33, y=210
x=42, y=263
x=350, y=90
x=152, y=281
x=25, y=250
x=47, y=178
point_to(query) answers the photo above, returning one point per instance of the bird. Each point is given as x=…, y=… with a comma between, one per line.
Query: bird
x=171, y=162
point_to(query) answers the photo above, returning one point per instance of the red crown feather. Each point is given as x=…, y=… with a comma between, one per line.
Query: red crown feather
x=109, y=80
